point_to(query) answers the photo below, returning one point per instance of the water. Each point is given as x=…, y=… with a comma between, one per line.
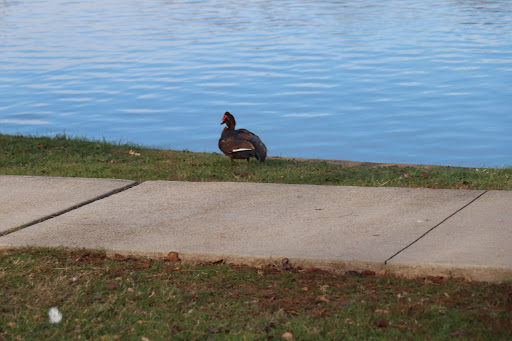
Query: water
x=382, y=81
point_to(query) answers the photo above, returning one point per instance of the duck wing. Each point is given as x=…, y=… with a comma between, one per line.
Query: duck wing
x=260, y=150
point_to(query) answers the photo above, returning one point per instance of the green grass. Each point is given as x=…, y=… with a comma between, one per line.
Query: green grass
x=142, y=299
x=75, y=157
x=137, y=299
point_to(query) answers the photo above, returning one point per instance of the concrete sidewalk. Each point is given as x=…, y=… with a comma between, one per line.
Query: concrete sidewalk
x=407, y=231
x=27, y=199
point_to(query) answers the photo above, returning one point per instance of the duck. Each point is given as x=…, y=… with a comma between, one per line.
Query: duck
x=240, y=143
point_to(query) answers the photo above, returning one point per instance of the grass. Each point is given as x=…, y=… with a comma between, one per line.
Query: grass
x=64, y=156
x=145, y=299
x=104, y=298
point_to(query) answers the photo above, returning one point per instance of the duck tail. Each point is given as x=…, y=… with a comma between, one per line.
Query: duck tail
x=259, y=148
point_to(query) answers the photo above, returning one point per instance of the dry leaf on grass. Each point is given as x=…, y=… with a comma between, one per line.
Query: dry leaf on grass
x=322, y=299
x=293, y=312
x=367, y=273
x=111, y=286
x=132, y=152
x=458, y=334
x=381, y=323
x=172, y=257
x=381, y=311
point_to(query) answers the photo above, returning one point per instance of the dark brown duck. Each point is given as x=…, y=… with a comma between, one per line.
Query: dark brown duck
x=240, y=143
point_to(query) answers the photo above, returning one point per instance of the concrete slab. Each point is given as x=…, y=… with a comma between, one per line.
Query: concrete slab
x=327, y=226
x=26, y=199
x=476, y=242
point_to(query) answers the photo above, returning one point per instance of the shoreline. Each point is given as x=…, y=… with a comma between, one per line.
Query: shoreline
x=346, y=163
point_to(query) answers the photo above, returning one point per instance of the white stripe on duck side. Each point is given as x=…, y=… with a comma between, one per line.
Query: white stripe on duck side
x=241, y=150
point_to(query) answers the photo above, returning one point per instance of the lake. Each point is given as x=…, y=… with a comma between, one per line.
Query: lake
x=381, y=81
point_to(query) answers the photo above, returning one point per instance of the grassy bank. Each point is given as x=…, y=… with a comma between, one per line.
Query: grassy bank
x=63, y=156
x=141, y=299
x=121, y=298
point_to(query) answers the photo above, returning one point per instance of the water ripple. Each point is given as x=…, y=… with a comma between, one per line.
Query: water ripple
x=395, y=81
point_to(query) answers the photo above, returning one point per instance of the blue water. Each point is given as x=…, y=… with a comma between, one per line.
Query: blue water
x=382, y=81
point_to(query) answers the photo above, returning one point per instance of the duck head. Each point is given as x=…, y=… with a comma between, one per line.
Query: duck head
x=229, y=120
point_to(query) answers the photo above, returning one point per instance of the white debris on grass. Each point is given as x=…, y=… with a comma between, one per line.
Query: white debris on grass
x=54, y=315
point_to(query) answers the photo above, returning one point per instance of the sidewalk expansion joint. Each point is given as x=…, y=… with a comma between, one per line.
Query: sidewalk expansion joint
x=434, y=227
x=69, y=209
